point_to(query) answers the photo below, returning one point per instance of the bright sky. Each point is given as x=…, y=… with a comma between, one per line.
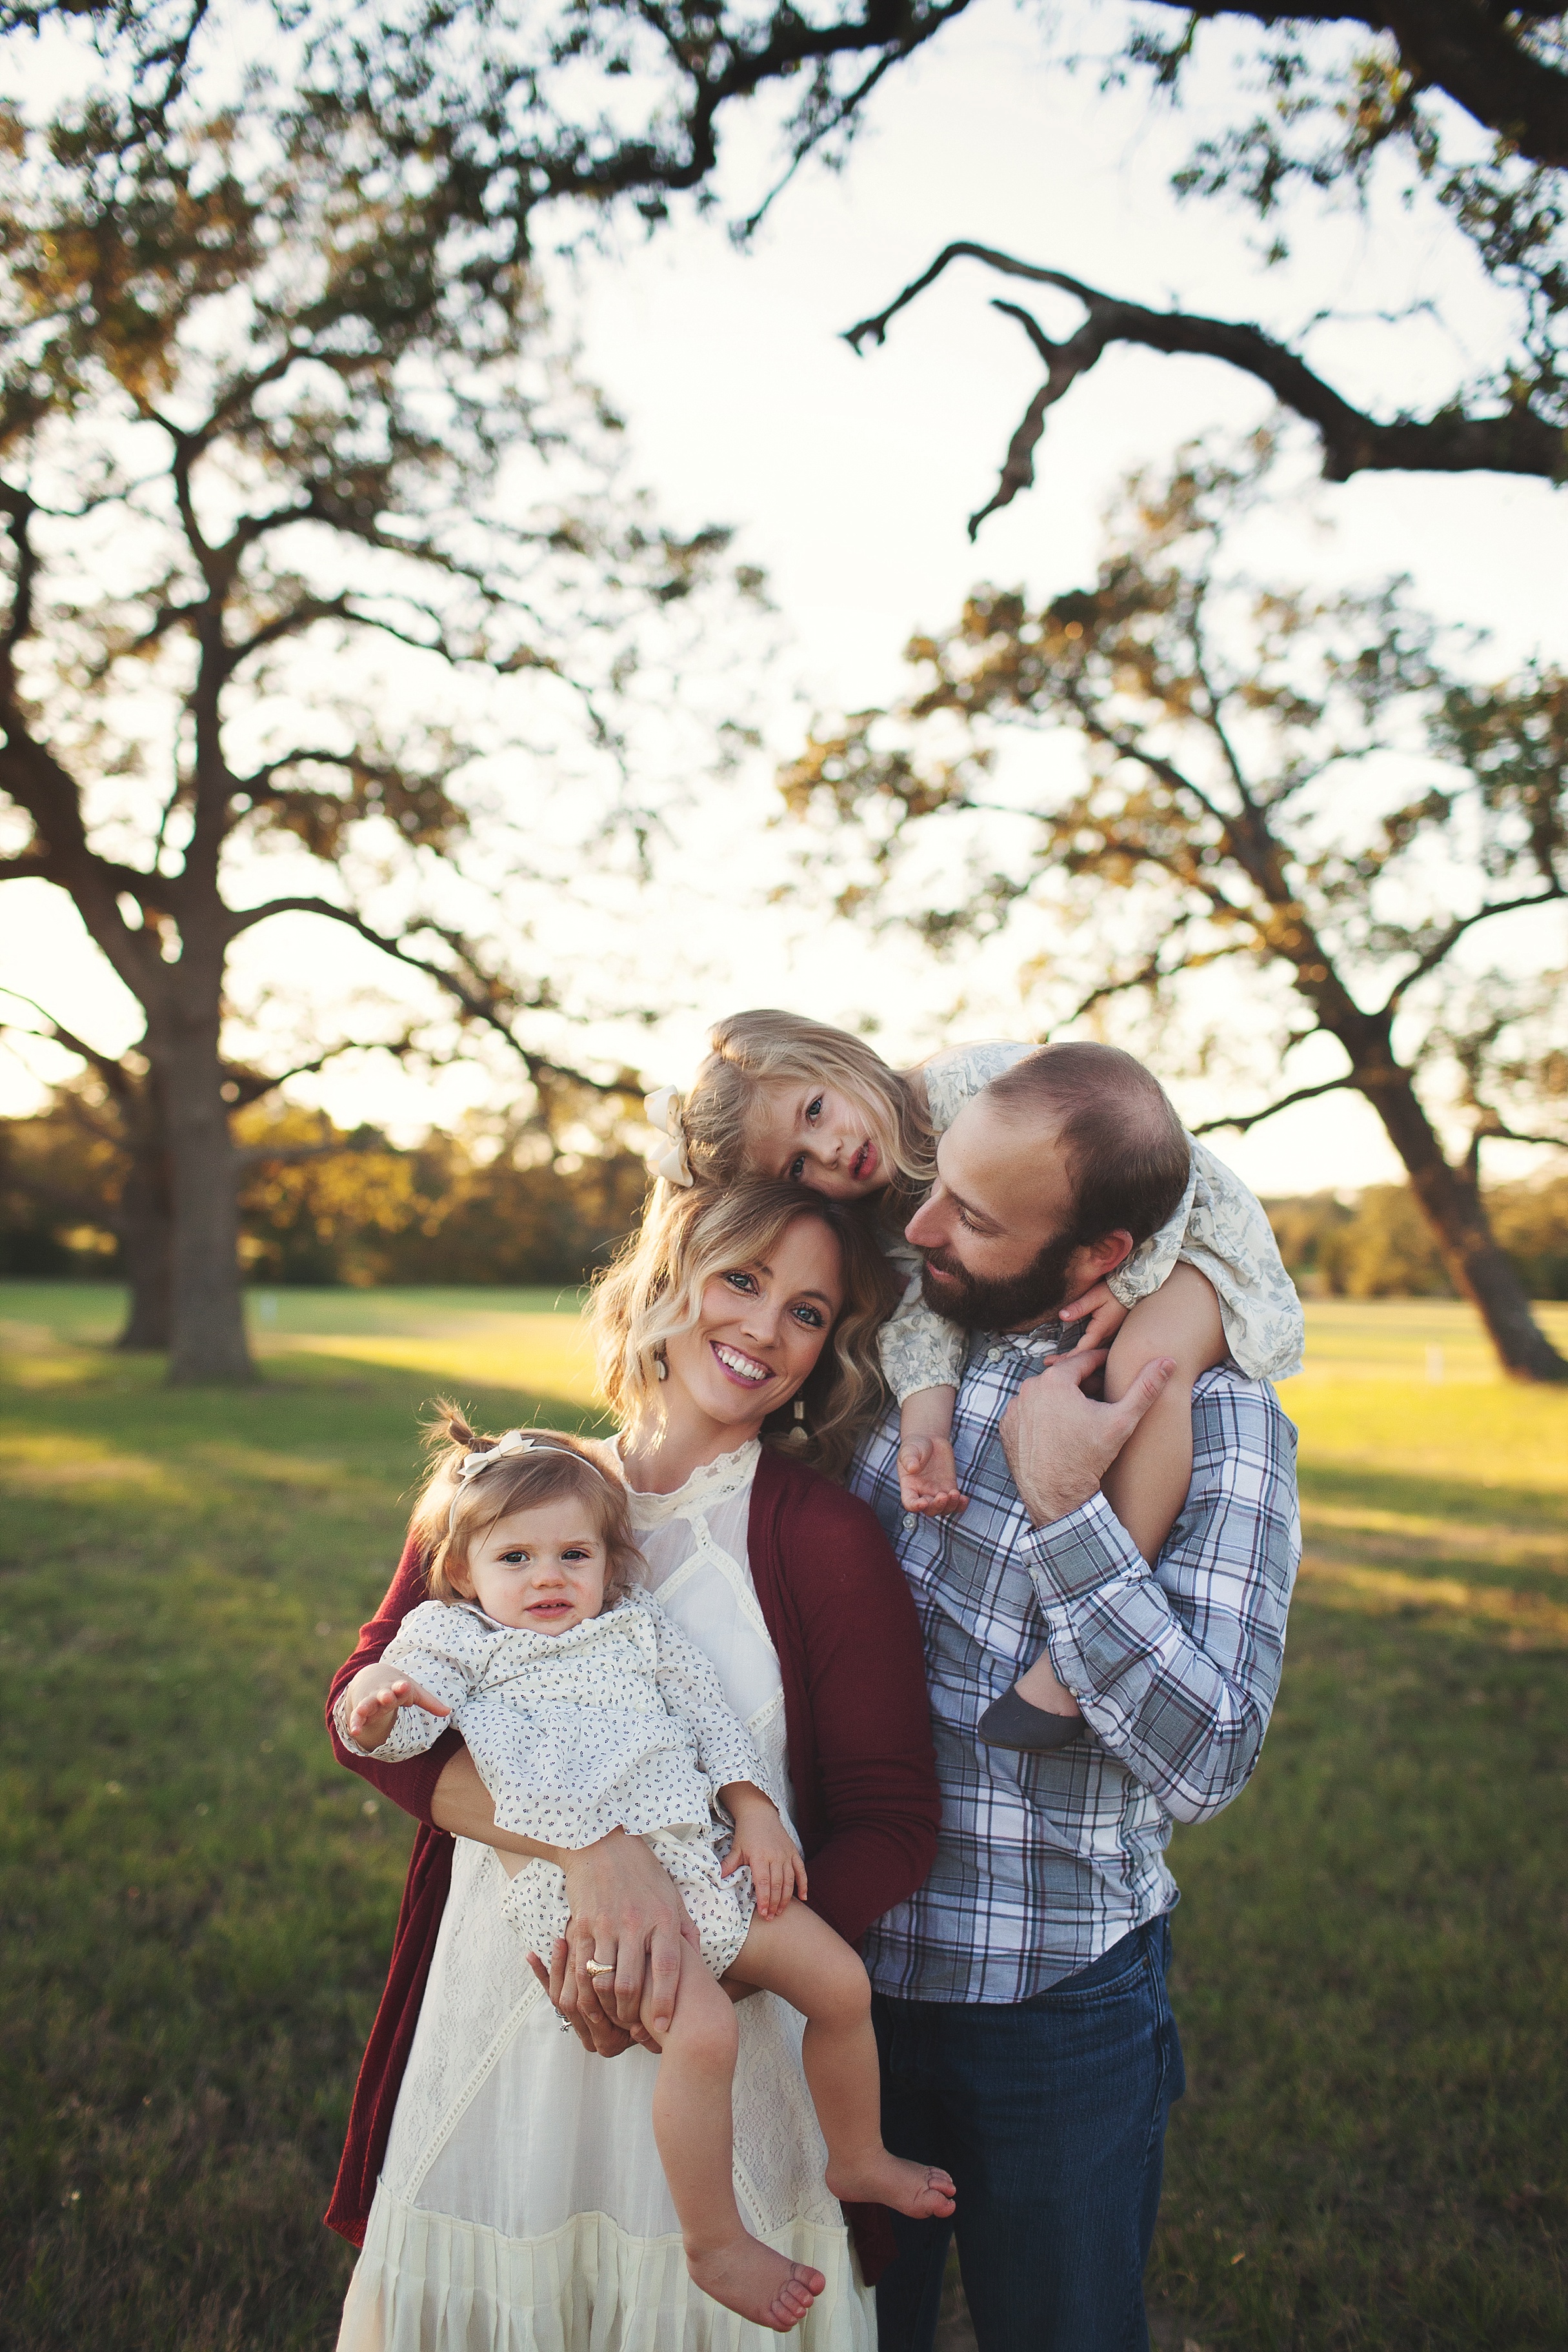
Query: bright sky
x=851, y=478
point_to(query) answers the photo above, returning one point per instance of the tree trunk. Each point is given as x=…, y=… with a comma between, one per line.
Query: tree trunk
x=207, y=1337
x=146, y=1229
x=1451, y=1200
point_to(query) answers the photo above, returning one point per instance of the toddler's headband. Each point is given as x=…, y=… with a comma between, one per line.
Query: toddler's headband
x=507, y=1448
x=663, y=1110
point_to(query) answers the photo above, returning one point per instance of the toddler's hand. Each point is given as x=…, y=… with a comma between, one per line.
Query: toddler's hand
x=1106, y=1315
x=374, y=1713
x=928, y=1478
x=765, y=1846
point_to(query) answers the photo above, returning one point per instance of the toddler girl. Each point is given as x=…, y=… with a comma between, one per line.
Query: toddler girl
x=586, y=1710
x=779, y=1094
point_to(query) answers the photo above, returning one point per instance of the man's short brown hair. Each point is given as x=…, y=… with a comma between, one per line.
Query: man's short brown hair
x=1127, y=1157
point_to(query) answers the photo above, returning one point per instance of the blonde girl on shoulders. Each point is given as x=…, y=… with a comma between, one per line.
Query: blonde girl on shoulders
x=781, y=1096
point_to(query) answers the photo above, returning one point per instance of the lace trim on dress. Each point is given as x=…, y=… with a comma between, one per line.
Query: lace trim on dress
x=710, y=1483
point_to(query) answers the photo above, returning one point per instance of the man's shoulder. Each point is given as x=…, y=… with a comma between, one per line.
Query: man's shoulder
x=1236, y=1414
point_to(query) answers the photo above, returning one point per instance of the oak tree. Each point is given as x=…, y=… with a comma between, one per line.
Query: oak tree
x=258, y=413
x=1309, y=792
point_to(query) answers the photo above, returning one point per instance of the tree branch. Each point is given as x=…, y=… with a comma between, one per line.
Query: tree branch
x=1451, y=937
x=1515, y=441
x=1287, y=1102
x=1453, y=46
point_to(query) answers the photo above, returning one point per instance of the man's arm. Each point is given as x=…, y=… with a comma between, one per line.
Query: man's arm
x=1175, y=1668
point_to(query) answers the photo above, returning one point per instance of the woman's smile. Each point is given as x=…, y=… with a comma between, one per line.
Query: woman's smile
x=745, y=1368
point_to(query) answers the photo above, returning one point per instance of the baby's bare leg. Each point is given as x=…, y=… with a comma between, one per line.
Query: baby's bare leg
x=798, y=1955
x=691, y=2122
x=1147, y=1484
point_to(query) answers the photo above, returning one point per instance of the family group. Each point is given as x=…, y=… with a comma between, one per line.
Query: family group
x=794, y=1769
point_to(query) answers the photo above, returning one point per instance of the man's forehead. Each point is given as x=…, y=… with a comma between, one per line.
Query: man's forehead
x=1009, y=1167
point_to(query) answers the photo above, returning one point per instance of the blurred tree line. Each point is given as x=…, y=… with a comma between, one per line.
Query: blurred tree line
x=324, y=1205
x=1378, y=1243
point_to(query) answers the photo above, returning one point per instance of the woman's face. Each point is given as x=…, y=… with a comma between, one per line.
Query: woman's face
x=821, y=1137
x=761, y=1330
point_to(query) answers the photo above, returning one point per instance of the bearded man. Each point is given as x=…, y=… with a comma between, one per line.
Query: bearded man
x=1026, y=2031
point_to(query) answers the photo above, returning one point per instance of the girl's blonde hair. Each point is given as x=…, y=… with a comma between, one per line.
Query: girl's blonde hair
x=452, y=1512
x=653, y=1293
x=752, y=1051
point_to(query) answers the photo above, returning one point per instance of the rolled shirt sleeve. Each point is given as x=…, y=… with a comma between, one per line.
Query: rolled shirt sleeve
x=1176, y=1667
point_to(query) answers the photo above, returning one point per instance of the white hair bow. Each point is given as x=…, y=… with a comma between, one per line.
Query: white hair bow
x=662, y=1109
x=512, y=1441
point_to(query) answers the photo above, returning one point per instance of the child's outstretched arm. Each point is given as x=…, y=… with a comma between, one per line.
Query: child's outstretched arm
x=372, y=1703
x=928, y=1474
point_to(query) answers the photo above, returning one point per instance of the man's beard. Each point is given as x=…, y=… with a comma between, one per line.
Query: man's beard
x=1000, y=1305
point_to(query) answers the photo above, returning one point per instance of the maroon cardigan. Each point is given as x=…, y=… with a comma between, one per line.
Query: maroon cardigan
x=858, y=1727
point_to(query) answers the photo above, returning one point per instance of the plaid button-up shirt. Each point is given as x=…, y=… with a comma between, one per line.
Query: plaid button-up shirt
x=1046, y=1861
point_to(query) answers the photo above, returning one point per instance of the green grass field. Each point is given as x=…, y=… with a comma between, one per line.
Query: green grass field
x=197, y=1905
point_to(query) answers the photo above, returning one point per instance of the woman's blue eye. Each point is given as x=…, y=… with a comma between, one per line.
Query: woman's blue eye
x=808, y=1315
x=741, y=1282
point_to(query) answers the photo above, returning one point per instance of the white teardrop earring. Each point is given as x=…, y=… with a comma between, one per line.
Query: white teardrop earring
x=797, y=1436
x=661, y=1370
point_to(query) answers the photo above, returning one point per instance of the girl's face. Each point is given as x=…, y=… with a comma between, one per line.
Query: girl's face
x=760, y=1331
x=542, y=1569
x=821, y=1137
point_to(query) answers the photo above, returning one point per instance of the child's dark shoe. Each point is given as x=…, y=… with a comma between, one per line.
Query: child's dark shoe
x=1010, y=1722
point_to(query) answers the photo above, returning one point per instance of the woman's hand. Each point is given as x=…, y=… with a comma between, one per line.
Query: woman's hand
x=765, y=1846
x=626, y=1911
x=1106, y=1315
x=371, y=1706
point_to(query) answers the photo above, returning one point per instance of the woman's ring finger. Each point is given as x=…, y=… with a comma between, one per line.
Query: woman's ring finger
x=600, y=1967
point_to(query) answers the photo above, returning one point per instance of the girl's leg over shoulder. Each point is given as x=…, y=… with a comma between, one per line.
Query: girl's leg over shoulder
x=1147, y=1484
x=798, y=1956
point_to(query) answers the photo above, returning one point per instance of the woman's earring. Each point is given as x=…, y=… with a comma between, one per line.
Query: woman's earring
x=661, y=1370
x=797, y=1436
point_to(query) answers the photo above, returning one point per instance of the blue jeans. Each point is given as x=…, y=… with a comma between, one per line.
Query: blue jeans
x=1050, y=2115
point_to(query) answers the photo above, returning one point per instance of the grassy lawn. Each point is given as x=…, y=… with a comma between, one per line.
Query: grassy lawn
x=197, y=1905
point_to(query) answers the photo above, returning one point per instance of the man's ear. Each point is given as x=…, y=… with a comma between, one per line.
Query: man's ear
x=1110, y=1251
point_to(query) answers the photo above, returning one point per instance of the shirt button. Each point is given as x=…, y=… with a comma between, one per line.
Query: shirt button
x=908, y=1518
x=993, y=1355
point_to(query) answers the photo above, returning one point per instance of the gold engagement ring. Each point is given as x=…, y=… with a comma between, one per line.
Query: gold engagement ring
x=600, y=1967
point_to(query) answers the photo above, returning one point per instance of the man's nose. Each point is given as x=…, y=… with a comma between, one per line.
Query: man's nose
x=927, y=1226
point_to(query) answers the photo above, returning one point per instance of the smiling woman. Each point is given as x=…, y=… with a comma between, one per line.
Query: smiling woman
x=733, y=1293
x=505, y=2182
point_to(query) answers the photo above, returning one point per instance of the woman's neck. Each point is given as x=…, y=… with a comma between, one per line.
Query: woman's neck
x=690, y=1438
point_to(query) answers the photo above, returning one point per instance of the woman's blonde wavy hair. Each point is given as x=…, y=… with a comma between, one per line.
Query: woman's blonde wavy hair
x=653, y=1293
x=751, y=1050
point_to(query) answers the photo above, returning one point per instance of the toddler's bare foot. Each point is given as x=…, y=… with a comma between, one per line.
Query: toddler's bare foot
x=923, y=2191
x=749, y=2278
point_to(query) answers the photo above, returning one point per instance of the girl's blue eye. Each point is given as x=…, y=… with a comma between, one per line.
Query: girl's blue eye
x=814, y=1107
x=796, y=1169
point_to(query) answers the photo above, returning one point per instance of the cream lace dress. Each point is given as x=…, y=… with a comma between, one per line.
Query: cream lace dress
x=521, y=2206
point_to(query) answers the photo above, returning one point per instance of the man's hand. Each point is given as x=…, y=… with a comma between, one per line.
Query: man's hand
x=626, y=1909
x=1060, y=1443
